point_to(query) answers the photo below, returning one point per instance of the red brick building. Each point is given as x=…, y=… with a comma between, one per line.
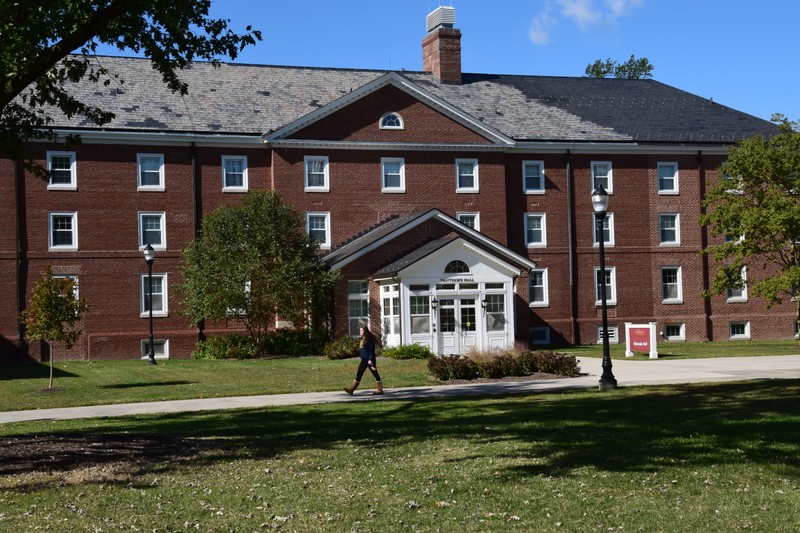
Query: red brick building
x=457, y=206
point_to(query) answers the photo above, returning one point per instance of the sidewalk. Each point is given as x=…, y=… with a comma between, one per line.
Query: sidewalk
x=628, y=373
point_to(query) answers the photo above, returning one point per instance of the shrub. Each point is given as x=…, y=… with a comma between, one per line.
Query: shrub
x=556, y=363
x=294, y=342
x=407, y=351
x=450, y=367
x=341, y=348
x=498, y=366
x=231, y=346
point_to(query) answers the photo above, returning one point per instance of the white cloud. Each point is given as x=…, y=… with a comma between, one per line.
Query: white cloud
x=583, y=13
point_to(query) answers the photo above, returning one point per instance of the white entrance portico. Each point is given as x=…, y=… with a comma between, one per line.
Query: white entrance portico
x=454, y=299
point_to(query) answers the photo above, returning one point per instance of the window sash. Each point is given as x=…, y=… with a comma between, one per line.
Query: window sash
x=159, y=301
x=535, y=229
x=150, y=171
x=64, y=230
x=537, y=287
x=601, y=175
x=466, y=175
x=670, y=284
x=152, y=230
x=392, y=174
x=668, y=227
x=667, y=177
x=234, y=173
x=611, y=290
x=316, y=173
x=532, y=176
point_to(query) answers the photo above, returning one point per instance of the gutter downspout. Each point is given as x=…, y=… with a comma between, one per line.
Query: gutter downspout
x=20, y=255
x=704, y=244
x=573, y=270
x=197, y=214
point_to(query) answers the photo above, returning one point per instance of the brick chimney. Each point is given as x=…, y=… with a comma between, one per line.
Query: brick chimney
x=441, y=47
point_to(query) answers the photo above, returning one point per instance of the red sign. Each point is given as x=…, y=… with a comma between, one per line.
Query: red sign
x=639, y=339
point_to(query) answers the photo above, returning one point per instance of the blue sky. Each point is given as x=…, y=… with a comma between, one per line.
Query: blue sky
x=741, y=54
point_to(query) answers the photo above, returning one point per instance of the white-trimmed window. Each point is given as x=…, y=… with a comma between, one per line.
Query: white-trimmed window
x=153, y=230
x=62, y=171
x=495, y=305
x=613, y=334
x=234, y=173
x=533, y=177
x=393, y=174
x=391, y=121
x=357, y=306
x=671, y=285
x=535, y=230
x=611, y=286
x=668, y=178
x=669, y=229
x=739, y=330
x=473, y=220
x=150, y=172
x=608, y=230
x=602, y=175
x=420, y=313
x=74, y=279
x=160, y=348
x=466, y=175
x=738, y=294
x=318, y=225
x=63, y=231
x=539, y=335
x=317, y=177
x=159, y=300
x=675, y=332
x=538, y=292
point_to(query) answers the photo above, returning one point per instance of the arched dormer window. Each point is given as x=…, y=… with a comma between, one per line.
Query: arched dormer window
x=391, y=121
x=456, y=267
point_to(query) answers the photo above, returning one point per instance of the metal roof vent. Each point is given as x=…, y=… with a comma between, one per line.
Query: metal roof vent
x=441, y=17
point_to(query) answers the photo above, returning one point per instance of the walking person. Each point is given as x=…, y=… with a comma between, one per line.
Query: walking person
x=367, y=353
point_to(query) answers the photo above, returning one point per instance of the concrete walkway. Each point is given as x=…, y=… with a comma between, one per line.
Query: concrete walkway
x=628, y=373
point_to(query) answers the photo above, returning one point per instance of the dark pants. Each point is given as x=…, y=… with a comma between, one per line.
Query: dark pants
x=363, y=366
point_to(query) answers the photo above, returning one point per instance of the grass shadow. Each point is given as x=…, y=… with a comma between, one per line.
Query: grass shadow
x=33, y=371
x=148, y=384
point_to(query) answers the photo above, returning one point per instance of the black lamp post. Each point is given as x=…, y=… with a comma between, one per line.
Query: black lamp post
x=149, y=255
x=600, y=206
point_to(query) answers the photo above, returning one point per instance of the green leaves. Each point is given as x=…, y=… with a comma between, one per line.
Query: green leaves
x=54, y=310
x=632, y=69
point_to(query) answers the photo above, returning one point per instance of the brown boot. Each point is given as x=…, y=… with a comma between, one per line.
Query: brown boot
x=379, y=390
x=349, y=390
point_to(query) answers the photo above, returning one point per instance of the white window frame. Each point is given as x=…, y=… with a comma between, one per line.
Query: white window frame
x=234, y=188
x=475, y=173
x=74, y=230
x=164, y=295
x=611, y=287
x=613, y=337
x=525, y=189
x=475, y=214
x=383, y=126
x=545, y=329
x=543, y=218
x=73, y=172
x=593, y=165
x=74, y=278
x=161, y=180
x=675, y=188
x=164, y=352
x=327, y=216
x=742, y=336
x=402, y=187
x=661, y=218
x=681, y=336
x=607, y=222
x=738, y=297
x=361, y=297
x=326, y=183
x=163, y=229
x=679, y=298
x=545, y=302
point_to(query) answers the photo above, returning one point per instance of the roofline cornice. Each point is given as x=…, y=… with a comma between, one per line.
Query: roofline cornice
x=387, y=146
x=163, y=138
x=546, y=147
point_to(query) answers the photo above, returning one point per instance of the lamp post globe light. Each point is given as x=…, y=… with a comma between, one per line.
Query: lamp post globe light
x=149, y=255
x=600, y=206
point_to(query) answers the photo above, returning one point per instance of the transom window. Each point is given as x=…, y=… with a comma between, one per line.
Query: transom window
x=318, y=225
x=533, y=177
x=152, y=230
x=466, y=175
x=456, y=267
x=668, y=178
x=601, y=175
x=63, y=234
x=234, y=173
x=317, y=177
x=61, y=170
x=393, y=175
x=150, y=171
x=391, y=121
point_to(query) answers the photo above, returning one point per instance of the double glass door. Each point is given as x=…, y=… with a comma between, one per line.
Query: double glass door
x=458, y=328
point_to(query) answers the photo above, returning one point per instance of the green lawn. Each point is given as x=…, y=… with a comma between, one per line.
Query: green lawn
x=710, y=458
x=697, y=350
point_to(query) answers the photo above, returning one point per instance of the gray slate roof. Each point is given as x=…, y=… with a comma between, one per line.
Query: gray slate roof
x=256, y=99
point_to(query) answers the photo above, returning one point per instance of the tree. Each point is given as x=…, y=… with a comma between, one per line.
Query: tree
x=756, y=207
x=36, y=62
x=53, y=313
x=254, y=262
x=632, y=69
